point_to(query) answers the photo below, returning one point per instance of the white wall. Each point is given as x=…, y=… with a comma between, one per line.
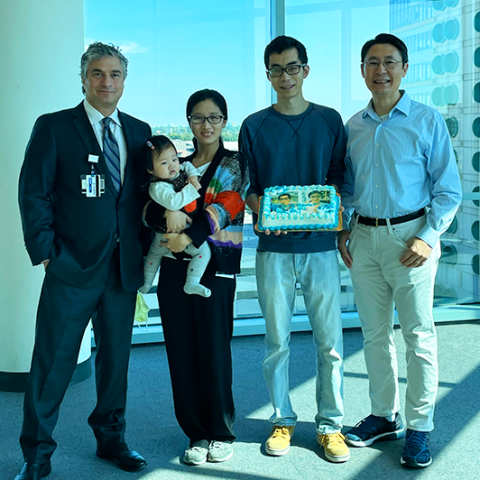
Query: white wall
x=41, y=42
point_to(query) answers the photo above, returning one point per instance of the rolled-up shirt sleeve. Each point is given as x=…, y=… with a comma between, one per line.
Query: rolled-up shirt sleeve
x=446, y=190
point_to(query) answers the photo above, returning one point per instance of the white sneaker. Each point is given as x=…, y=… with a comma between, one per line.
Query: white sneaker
x=195, y=456
x=219, y=451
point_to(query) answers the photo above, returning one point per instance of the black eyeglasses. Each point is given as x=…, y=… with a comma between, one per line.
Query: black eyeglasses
x=291, y=70
x=212, y=119
x=388, y=64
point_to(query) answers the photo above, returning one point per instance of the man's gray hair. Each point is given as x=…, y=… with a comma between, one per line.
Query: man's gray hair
x=98, y=50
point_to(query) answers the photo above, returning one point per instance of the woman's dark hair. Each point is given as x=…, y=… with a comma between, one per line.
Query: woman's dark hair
x=391, y=40
x=282, y=43
x=207, y=94
x=160, y=143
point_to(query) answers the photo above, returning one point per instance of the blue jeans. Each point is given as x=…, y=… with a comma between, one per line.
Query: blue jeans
x=318, y=274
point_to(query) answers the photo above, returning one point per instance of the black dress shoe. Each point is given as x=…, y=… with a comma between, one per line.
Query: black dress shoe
x=125, y=458
x=34, y=471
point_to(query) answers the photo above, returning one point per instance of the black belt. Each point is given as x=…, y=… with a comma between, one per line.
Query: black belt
x=377, y=222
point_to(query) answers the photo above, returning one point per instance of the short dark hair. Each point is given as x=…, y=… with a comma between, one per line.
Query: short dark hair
x=313, y=193
x=160, y=143
x=207, y=94
x=282, y=43
x=284, y=195
x=391, y=40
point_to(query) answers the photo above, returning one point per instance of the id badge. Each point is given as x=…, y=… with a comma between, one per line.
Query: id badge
x=93, y=185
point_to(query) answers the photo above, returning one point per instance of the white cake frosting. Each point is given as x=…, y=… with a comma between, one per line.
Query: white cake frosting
x=296, y=207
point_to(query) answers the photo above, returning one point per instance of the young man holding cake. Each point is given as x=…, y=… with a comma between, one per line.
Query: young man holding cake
x=402, y=189
x=296, y=142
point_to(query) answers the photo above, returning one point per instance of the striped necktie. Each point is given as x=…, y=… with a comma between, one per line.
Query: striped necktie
x=111, y=153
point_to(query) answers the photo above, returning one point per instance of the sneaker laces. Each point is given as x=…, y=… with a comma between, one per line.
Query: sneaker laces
x=370, y=424
x=280, y=432
x=365, y=422
x=334, y=438
x=417, y=440
x=215, y=444
x=195, y=449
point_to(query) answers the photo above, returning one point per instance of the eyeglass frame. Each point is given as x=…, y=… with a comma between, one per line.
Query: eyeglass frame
x=191, y=117
x=284, y=70
x=383, y=62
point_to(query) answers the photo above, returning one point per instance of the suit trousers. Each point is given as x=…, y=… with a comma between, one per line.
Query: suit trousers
x=380, y=281
x=63, y=314
x=198, y=332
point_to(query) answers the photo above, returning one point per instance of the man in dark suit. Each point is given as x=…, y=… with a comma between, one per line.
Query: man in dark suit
x=80, y=200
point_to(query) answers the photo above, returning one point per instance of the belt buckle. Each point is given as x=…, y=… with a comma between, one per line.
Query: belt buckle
x=376, y=222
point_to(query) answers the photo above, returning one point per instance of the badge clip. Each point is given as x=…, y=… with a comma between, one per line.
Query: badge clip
x=93, y=185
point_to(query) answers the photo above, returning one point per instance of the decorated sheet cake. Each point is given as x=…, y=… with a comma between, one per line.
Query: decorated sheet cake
x=300, y=208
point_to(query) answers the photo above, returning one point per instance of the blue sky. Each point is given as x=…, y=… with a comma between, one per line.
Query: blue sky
x=176, y=48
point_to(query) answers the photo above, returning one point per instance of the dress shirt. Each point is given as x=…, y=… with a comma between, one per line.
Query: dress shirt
x=96, y=118
x=401, y=164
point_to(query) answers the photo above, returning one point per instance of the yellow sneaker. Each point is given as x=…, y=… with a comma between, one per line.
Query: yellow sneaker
x=334, y=445
x=278, y=442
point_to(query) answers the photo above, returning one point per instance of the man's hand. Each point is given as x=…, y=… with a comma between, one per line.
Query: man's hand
x=417, y=254
x=343, y=249
x=45, y=264
x=268, y=232
x=253, y=201
x=177, y=221
x=176, y=242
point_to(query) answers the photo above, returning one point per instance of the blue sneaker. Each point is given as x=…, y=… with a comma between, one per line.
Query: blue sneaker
x=373, y=429
x=416, y=453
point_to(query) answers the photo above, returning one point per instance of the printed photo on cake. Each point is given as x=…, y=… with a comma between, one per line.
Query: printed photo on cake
x=316, y=200
x=285, y=203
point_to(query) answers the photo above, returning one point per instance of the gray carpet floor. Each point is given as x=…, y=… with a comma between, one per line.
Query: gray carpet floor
x=153, y=431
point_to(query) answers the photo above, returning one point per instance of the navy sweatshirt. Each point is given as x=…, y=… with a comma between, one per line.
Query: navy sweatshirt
x=306, y=149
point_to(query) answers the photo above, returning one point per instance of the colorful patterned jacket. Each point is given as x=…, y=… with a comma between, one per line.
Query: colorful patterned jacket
x=221, y=210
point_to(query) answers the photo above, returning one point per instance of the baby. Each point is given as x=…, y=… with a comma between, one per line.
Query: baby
x=174, y=186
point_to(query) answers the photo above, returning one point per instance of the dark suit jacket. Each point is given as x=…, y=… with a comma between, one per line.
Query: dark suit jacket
x=78, y=234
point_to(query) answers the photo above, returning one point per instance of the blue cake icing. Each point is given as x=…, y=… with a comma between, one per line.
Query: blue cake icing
x=296, y=207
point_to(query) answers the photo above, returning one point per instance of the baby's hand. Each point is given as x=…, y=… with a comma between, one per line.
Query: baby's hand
x=194, y=182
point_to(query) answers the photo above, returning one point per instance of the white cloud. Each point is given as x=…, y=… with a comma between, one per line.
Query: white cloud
x=132, y=47
x=126, y=47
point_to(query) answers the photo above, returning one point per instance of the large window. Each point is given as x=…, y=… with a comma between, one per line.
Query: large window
x=176, y=48
x=443, y=38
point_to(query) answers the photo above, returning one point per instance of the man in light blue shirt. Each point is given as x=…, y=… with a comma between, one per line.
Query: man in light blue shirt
x=400, y=194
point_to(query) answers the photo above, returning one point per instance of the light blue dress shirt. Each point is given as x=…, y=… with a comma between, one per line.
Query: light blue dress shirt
x=400, y=163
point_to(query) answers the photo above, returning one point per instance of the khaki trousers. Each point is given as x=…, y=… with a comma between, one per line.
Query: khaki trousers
x=381, y=282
